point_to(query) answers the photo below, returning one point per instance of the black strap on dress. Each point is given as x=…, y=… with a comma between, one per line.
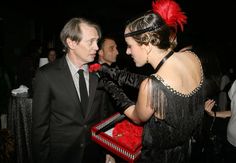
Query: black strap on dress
x=163, y=60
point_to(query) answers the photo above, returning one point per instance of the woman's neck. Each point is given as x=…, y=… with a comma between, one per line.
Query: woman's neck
x=156, y=56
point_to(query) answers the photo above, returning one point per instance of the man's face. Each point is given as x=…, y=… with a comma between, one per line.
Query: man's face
x=85, y=50
x=108, y=51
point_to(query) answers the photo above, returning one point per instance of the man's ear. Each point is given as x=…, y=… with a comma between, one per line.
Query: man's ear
x=100, y=53
x=72, y=44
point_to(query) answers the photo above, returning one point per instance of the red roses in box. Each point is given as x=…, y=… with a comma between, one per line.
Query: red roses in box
x=128, y=134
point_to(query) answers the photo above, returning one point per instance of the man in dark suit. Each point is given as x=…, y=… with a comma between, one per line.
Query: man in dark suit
x=61, y=126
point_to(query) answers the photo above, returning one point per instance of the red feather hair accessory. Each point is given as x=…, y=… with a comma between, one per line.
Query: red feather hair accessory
x=170, y=12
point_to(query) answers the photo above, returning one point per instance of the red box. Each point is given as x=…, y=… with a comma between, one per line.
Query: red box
x=106, y=140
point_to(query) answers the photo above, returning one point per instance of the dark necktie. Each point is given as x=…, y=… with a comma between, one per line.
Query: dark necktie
x=83, y=91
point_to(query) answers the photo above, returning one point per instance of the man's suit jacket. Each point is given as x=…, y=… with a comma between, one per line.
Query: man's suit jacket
x=60, y=132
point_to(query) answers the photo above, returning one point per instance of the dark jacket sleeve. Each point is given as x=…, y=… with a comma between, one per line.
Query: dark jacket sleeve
x=40, y=119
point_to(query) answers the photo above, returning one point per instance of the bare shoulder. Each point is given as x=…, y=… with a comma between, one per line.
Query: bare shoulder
x=189, y=59
x=145, y=83
x=188, y=54
x=184, y=73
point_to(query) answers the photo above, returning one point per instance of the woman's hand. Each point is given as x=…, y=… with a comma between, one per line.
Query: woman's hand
x=110, y=159
x=209, y=104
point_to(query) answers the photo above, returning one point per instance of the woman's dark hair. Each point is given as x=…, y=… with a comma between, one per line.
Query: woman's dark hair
x=149, y=28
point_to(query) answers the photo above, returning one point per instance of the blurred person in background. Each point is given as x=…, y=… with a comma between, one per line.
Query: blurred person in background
x=51, y=55
x=107, y=50
x=230, y=146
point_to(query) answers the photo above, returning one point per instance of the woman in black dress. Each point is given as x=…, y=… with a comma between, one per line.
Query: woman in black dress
x=170, y=101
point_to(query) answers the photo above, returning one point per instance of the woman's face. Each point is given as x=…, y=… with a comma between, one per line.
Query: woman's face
x=52, y=56
x=137, y=52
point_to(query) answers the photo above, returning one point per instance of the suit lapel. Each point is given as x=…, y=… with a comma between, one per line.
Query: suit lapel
x=93, y=81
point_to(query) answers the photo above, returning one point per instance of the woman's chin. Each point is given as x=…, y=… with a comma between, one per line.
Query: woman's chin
x=138, y=64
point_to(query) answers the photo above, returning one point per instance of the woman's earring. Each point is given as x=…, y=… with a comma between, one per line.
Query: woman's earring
x=148, y=55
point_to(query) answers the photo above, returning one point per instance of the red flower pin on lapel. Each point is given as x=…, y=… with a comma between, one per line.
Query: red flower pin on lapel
x=94, y=67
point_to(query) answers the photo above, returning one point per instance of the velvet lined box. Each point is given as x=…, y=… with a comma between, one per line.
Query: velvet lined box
x=106, y=140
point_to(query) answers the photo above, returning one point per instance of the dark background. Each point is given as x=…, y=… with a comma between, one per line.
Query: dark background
x=210, y=25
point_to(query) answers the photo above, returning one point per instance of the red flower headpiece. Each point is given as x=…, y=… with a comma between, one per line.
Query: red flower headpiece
x=94, y=67
x=170, y=12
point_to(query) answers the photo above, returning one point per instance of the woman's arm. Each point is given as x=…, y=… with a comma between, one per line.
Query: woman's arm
x=209, y=104
x=141, y=111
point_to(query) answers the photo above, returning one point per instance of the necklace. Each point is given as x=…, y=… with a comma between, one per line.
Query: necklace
x=163, y=60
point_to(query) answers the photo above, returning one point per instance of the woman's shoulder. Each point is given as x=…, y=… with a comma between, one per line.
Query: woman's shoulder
x=183, y=74
x=188, y=54
x=190, y=61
